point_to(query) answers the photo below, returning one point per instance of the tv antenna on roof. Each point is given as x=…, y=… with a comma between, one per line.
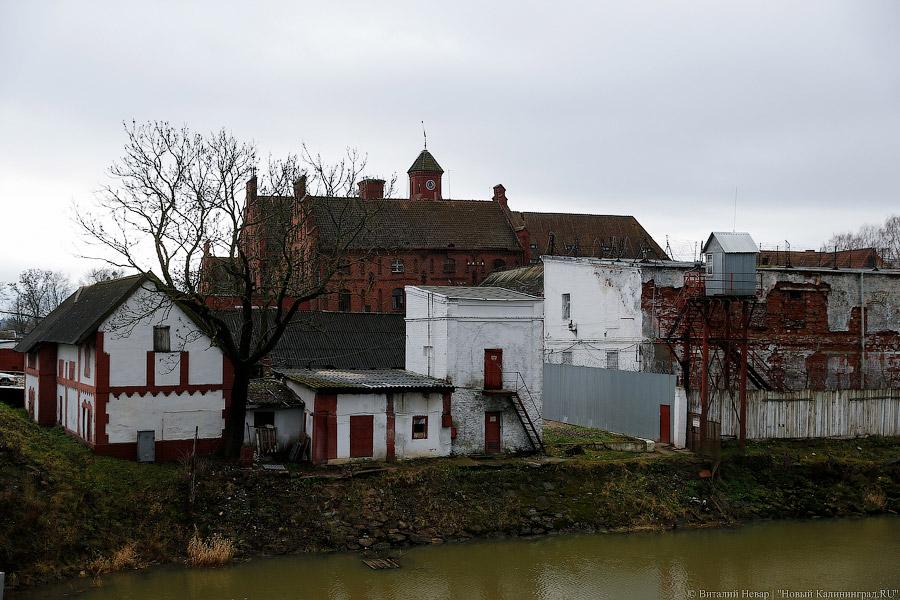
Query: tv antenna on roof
x=424, y=135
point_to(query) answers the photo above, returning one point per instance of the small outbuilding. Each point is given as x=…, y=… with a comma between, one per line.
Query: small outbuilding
x=381, y=414
x=730, y=259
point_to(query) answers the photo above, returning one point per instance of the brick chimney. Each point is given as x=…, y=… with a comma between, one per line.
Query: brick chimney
x=500, y=195
x=371, y=189
x=300, y=187
x=251, y=187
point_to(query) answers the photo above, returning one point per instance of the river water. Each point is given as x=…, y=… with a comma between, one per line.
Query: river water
x=800, y=556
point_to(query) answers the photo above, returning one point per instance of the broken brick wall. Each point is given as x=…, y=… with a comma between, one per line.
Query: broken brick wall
x=807, y=329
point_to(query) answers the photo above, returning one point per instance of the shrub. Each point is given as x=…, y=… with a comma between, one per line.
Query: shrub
x=213, y=552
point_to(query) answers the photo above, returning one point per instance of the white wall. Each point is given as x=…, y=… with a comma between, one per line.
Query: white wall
x=171, y=417
x=460, y=330
x=605, y=311
x=288, y=425
x=128, y=336
x=412, y=404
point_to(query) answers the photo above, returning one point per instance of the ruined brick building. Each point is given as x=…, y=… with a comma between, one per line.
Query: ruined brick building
x=427, y=239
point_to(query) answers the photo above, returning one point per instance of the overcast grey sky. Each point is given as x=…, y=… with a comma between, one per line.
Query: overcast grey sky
x=659, y=110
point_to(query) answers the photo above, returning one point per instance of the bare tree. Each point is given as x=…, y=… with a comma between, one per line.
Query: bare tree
x=884, y=238
x=101, y=274
x=33, y=297
x=176, y=206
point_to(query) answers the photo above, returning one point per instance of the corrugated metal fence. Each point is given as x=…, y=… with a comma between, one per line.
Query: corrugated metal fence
x=620, y=401
x=813, y=414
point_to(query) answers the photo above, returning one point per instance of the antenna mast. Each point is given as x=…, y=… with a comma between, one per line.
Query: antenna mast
x=424, y=135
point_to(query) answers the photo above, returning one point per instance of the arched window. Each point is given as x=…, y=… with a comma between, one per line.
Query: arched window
x=397, y=299
x=499, y=264
x=449, y=266
x=344, y=301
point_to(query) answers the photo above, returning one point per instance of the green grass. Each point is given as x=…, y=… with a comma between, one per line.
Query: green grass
x=63, y=506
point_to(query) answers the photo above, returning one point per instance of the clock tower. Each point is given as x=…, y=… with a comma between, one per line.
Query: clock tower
x=425, y=178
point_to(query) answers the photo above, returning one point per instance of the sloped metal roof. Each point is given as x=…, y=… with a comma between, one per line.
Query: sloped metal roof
x=527, y=280
x=733, y=242
x=271, y=393
x=476, y=293
x=364, y=380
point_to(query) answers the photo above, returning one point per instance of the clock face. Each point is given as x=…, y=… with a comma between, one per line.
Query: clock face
x=430, y=184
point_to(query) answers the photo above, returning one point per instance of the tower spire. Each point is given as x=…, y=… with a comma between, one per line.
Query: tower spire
x=424, y=135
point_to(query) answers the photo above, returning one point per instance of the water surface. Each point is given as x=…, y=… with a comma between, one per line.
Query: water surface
x=828, y=555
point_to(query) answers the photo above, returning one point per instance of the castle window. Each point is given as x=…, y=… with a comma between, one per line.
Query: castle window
x=344, y=301
x=397, y=266
x=449, y=266
x=397, y=299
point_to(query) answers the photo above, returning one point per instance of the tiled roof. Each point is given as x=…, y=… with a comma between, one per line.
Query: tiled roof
x=395, y=224
x=81, y=313
x=528, y=280
x=425, y=162
x=602, y=236
x=363, y=380
x=476, y=293
x=863, y=258
x=339, y=340
x=270, y=392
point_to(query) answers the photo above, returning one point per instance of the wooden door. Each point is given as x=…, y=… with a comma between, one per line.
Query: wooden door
x=361, y=436
x=665, y=430
x=492, y=432
x=493, y=369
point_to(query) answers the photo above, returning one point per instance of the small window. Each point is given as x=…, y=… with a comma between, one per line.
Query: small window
x=612, y=359
x=499, y=264
x=344, y=301
x=449, y=266
x=794, y=295
x=161, y=339
x=566, y=358
x=32, y=360
x=397, y=299
x=397, y=266
x=420, y=428
x=87, y=361
x=566, y=306
x=72, y=370
x=262, y=418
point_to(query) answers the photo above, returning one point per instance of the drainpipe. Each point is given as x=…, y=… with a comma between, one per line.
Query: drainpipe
x=862, y=333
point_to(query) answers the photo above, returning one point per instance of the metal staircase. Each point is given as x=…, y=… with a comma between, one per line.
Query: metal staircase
x=519, y=390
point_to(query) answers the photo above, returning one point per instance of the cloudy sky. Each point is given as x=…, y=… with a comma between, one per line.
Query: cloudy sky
x=660, y=110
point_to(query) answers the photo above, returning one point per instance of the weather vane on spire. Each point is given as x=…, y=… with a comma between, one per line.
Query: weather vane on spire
x=424, y=135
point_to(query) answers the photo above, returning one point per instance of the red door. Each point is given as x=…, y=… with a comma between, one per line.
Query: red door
x=361, y=428
x=491, y=432
x=665, y=433
x=493, y=369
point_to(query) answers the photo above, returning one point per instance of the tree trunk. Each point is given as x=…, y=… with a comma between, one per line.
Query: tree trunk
x=234, y=426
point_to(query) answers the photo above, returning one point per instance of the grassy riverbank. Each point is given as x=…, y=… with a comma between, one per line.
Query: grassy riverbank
x=63, y=510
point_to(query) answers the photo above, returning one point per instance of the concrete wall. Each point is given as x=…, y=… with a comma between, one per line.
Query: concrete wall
x=605, y=313
x=446, y=338
x=171, y=416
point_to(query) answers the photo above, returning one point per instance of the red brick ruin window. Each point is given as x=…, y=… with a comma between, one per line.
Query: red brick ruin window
x=449, y=266
x=397, y=299
x=420, y=428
